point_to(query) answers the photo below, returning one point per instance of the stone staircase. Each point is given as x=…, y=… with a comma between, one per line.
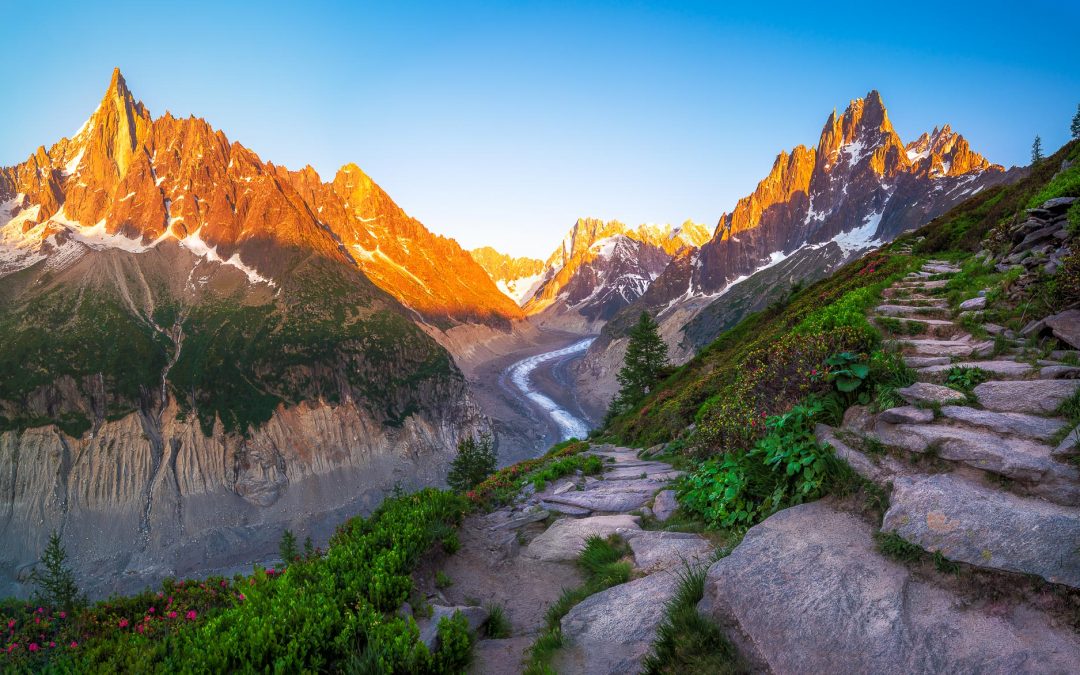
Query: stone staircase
x=981, y=478
x=997, y=447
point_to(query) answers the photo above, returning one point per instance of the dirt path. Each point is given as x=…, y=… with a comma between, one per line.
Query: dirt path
x=521, y=557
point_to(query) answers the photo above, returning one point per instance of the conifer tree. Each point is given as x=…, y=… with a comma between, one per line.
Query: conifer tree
x=309, y=547
x=1075, y=126
x=475, y=461
x=644, y=365
x=1036, y=151
x=287, y=547
x=54, y=579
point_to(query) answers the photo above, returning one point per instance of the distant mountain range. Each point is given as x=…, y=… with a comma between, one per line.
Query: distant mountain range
x=201, y=347
x=858, y=188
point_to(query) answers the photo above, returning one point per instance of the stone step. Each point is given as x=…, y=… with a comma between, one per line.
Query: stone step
x=940, y=283
x=924, y=361
x=910, y=311
x=1041, y=397
x=1018, y=424
x=922, y=301
x=1020, y=459
x=976, y=524
x=1010, y=369
x=940, y=268
x=934, y=327
x=908, y=294
x=806, y=591
x=929, y=347
x=927, y=392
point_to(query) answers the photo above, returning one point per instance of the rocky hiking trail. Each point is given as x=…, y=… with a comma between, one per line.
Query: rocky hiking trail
x=967, y=560
x=980, y=481
x=521, y=557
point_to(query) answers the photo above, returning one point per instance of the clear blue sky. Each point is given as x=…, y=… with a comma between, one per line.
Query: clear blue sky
x=500, y=123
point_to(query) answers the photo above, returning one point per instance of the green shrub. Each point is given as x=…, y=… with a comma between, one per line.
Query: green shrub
x=785, y=467
x=563, y=459
x=965, y=379
x=497, y=625
x=325, y=612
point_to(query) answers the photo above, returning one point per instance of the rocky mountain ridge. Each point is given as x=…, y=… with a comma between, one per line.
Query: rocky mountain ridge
x=817, y=208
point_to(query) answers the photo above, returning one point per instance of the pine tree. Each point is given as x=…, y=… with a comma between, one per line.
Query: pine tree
x=1075, y=126
x=644, y=365
x=309, y=548
x=475, y=461
x=1036, y=151
x=287, y=547
x=54, y=579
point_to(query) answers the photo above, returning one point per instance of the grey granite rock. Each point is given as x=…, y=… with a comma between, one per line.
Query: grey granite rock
x=807, y=592
x=983, y=526
x=565, y=539
x=1029, y=396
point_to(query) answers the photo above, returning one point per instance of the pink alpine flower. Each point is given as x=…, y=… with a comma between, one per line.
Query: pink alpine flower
x=151, y=610
x=63, y=615
x=52, y=644
x=74, y=644
x=191, y=615
x=172, y=615
x=33, y=647
x=123, y=623
x=242, y=597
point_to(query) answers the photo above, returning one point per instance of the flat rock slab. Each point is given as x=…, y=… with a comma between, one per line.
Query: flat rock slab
x=926, y=392
x=565, y=509
x=939, y=347
x=613, y=631
x=905, y=310
x=1017, y=458
x=523, y=519
x=565, y=538
x=673, y=551
x=807, y=592
x=1020, y=424
x=618, y=497
x=907, y=414
x=940, y=283
x=1041, y=397
x=664, y=505
x=1059, y=372
x=925, y=361
x=1002, y=368
x=880, y=469
x=981, y=526
x=644, y=470
x=973, y=304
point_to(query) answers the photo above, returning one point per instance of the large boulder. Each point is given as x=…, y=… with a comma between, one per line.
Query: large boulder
x=613, y=631
x=1066, y=326
x=807, y=592
x=614, y=497
x=565, y=539
x=979, y=525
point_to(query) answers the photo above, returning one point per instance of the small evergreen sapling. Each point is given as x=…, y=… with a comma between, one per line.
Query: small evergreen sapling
x=1075, y=126
x=287, y=548
x=644, y=365
x=475, y=461
x=1036, y=151
x=54, y=579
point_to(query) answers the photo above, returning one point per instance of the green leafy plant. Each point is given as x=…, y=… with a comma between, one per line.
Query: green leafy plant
x=847, y=371
x=442, y=580
x=287, y=547
x=965, y=379
x=896, y=547
x=497, y=625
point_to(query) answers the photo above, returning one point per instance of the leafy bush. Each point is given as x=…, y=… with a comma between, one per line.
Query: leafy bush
x=475, y=461
x=324, y=612
x=785, y=467
x=770, y=381
x=847, y=371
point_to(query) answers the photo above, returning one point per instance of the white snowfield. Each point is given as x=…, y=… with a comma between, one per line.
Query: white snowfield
x=569, y=425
